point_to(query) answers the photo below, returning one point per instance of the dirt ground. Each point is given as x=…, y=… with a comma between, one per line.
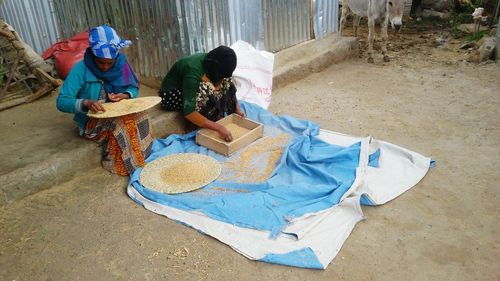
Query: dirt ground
x=426, y=99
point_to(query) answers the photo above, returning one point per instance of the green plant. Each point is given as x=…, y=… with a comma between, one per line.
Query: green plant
x=458, y=19
x=455, y=21
x=456, y=33
x=478, y=35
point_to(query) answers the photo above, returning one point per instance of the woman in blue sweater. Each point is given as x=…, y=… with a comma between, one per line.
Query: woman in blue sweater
x=104, y=75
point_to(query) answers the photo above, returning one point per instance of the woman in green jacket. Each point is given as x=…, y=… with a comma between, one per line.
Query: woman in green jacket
x=201, y=87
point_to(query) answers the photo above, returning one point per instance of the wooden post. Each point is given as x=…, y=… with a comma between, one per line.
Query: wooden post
x=311, y=19
x=495, y=18
x=45, y=76
x=11, y=75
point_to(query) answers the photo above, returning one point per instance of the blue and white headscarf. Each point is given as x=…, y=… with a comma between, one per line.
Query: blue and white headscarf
x=105, y=43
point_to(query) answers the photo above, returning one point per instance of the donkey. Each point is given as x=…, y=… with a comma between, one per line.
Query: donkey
x=383, y=11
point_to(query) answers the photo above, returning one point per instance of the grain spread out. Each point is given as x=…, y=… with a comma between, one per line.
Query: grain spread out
x=256, y=162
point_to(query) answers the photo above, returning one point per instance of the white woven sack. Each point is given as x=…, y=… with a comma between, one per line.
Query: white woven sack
x=253, y=76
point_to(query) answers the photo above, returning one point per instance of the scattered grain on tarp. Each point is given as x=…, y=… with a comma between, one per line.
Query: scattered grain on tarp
x=256, y=162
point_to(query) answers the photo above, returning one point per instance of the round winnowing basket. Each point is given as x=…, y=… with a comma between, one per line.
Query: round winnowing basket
x=125, y=107
x=178, y=173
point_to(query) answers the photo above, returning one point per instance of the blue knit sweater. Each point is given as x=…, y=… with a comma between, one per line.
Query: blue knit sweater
x=81, y=84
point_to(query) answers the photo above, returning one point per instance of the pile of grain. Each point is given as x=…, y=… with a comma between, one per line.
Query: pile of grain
x=184, y=174
x=236, y=131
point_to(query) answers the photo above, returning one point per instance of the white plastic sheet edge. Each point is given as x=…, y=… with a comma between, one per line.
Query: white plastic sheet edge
x=399, y=168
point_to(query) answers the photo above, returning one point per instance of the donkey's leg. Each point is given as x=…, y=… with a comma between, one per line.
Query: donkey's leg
x=355, y=23
x=345, y=11
x=385, y=38
x=371, y=35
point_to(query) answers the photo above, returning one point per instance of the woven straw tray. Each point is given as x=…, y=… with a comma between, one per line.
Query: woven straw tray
x=181, y=172
x=125, y=107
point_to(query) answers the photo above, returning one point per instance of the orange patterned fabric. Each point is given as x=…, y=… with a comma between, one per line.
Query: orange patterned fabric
x=126, y=141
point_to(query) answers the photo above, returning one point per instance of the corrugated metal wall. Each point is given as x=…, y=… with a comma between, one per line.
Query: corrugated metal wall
x=152, y=25
x=33, y=21
x=286, y=23
x=247, y=22
x=205, y=24
x=326, y=17
x=165, y=30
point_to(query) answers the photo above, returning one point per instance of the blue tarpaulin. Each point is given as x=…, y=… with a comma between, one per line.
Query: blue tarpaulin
x=310, y=176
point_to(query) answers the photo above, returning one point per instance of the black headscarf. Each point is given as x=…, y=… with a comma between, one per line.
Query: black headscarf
x=220, y=63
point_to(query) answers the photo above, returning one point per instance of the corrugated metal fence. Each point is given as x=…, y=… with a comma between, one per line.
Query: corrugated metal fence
x=34, y=21
x=286, y=23
x=326, y=17
x=165, y=30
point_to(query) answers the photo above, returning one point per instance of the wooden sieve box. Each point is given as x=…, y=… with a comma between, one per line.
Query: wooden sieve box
x=245, y=132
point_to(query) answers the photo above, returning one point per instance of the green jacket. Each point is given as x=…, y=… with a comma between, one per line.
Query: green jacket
x=185, y=75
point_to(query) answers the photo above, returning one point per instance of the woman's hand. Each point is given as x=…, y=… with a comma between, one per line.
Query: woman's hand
x=114, y=97
x=94, y=105
x=240, y=113
x=224, y=133
x=200, y=120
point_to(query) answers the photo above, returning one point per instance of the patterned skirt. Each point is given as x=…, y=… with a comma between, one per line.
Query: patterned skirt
x=126, y=141
x=210, y=103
